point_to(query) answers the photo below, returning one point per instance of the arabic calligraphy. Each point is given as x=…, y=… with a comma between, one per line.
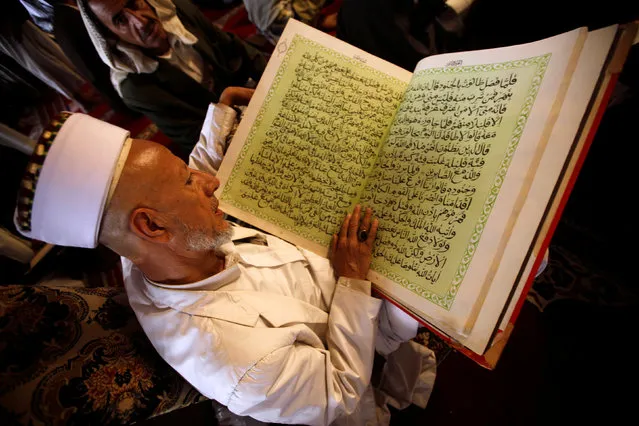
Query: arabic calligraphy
x=312, y=156
x=429, y=173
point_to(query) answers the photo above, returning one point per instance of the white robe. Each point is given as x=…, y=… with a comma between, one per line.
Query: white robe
x=274, y=336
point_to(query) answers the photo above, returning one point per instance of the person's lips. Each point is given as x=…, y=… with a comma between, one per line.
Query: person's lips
x=216, y=210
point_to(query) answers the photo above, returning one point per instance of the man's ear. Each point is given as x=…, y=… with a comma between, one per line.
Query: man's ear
x=148, y=224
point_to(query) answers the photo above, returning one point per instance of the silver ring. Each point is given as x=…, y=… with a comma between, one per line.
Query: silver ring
x=362, y=235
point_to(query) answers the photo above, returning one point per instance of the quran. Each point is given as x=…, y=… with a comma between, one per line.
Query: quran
x=466, y=161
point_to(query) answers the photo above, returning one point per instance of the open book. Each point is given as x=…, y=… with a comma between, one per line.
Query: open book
x=466, y=163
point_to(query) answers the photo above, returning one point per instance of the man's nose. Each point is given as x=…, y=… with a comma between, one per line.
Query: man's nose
x=137, y=19
x=210, y=184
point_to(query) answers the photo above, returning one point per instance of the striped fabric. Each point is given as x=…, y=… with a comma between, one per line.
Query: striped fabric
x=31, y=175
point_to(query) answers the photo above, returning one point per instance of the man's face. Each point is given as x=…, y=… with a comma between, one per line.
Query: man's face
x=132, y=21
x=182, y=195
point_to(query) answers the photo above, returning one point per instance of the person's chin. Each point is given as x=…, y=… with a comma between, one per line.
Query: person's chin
x=158, y=44
x=161, y=49
x=224, y=235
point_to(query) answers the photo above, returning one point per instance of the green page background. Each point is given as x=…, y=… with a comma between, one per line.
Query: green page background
x=464, y=244
x=310, y=201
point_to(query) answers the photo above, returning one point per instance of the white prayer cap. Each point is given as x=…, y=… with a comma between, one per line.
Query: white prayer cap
x=70, y=178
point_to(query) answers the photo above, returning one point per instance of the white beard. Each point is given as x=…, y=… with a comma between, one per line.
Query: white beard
x=198, y=240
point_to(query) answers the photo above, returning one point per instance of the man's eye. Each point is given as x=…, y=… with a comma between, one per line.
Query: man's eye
x=118, y=19
x=190, y=179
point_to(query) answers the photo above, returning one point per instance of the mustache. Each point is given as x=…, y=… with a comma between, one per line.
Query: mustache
x=148, y=29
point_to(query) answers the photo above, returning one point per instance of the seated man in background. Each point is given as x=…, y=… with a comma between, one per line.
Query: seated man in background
x=37, y=54
x=270, y=330
x=168, y=61
x=271, y=16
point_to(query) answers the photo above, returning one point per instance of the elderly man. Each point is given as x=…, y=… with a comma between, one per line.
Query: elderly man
x=168, y=61
x=270, y=330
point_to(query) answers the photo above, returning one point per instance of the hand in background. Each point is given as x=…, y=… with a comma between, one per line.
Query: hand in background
x=232, y=96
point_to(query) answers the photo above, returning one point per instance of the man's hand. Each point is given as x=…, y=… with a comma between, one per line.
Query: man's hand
x=351, y=249
x=236, y=96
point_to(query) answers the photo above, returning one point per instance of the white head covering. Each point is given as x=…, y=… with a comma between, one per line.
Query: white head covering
x=124, y=58
x=70, y=179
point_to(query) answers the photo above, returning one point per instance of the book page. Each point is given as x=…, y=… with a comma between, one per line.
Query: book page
x=564, y=147
x=311, y=135
x=567, y=135
x=457, y=158
x=442, y=167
